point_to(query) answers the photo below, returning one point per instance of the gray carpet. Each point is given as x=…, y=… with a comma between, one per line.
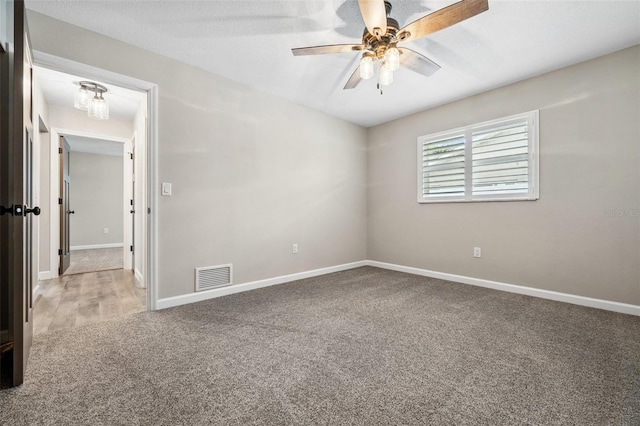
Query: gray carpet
x=94, y=260
x=361, y=347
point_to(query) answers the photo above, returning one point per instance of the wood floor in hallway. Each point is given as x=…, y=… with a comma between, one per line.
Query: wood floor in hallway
x=76, y=300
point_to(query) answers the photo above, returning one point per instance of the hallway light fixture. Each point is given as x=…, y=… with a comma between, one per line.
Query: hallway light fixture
x=95, y=106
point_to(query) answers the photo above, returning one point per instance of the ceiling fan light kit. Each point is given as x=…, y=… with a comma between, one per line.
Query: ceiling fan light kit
x=96, y=106
x=382, y=34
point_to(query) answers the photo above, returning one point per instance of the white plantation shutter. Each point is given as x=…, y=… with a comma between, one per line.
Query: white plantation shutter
x=501, y=159
x=492, y=161
x=443, y=166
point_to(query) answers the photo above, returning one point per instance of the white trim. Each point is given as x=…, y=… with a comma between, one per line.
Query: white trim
x=139, y=278
x=184, y=299
x=607, y=305
x=151, y=275
x=44, y=275
x=97, y=246
x=127, y=195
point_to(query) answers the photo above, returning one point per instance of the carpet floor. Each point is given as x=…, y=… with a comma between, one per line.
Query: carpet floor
x=360, y=347
x=94, y=260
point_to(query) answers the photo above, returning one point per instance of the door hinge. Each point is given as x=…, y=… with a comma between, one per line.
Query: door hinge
x=60, y=201
x=59, y=150
x=131, y=248
x=59, y=252
x=131, y=202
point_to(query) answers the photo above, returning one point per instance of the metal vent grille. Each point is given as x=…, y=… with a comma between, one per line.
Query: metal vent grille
x=212, y=277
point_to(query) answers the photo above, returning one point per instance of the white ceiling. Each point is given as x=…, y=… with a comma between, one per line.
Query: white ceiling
x=250, y=42
x=94, y=146
x=60, y=89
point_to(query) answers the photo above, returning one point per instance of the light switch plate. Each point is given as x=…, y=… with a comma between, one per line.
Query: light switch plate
x=166, y=188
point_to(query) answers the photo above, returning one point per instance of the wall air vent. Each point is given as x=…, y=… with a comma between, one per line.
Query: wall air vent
x=210, y=277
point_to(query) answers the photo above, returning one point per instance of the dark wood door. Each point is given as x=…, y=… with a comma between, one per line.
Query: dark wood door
x=65, y=211
x=16, y=189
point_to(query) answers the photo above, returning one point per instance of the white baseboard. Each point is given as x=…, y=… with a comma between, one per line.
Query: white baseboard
x=139, y=278
x=45, y=275
x=511, y=288
x=97, y=246
x=238, y=288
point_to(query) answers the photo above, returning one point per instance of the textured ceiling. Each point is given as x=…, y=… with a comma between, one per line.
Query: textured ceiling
x=250, y=42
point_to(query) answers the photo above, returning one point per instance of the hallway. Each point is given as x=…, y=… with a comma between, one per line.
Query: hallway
x=75, y=300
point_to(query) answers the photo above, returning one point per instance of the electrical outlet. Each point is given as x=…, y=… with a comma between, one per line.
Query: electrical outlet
x=477, y=252
x=106, y=230
x=295, y=249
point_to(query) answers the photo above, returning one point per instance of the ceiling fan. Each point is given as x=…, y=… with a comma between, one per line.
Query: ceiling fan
x=382, y=34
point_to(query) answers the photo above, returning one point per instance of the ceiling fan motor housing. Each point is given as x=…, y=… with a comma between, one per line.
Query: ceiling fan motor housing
x=380, y=45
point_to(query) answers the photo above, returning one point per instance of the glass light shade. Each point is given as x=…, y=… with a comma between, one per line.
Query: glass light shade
x=98, y=109
x=82, y=99
x=366, y=68
x=386, y=75
x=392, y=58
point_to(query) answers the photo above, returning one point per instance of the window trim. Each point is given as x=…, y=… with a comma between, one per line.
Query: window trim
x=532, y=118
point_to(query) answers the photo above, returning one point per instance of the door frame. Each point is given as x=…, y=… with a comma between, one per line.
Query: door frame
x=71, y=67
x=54, y=214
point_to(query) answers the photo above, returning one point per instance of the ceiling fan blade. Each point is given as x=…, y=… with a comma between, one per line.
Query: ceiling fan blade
x=374, y=14
x=354, y=80
x=322, y=50
x=417, y=62
x=443, y=18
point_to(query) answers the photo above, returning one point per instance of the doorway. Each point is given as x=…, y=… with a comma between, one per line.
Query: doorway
x=17, y=113
x=94, y=213
x=92, y=275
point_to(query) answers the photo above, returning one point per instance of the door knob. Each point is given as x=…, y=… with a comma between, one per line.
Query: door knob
x=72, y=212
x=132, y=211
x=35, y=210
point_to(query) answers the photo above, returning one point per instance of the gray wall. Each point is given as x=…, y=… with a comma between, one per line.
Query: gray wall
x=565, y=241
x=96, y=196
x=251, y=173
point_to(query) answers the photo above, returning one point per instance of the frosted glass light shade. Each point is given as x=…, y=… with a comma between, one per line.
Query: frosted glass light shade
x=82, y=99
x=98, y=109
x=366, y=68
x=392, y=58
x=386, y=75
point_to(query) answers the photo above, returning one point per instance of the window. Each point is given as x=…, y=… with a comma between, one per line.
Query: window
x=492, y=161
